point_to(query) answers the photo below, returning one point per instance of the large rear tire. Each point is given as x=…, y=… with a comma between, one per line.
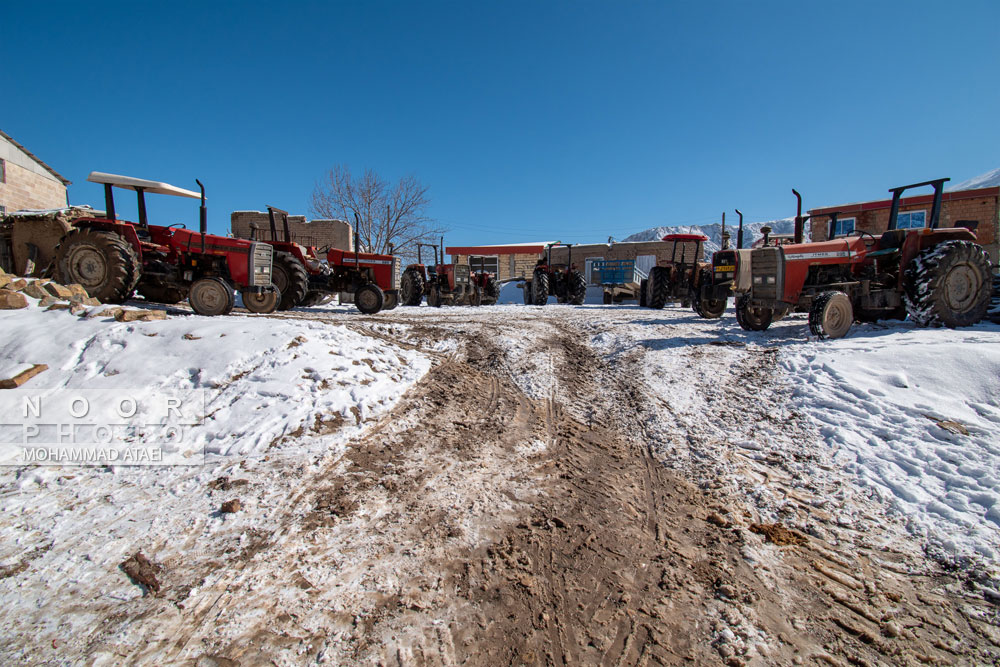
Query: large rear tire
x=831, y=315
x=948, y=285
x=659, y=284
x=643, y=286
x=752, y=318
x=369, y=298
x=211, y=297
x=102, y=262
x=291, y=279
x=540, y=288
x=261, y=302
x=576, y=288
x=411, y=288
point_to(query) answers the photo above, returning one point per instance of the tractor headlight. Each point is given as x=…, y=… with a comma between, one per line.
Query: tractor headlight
x=758, y=280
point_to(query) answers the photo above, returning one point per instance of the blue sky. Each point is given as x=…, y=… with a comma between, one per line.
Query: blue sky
x=526, y=120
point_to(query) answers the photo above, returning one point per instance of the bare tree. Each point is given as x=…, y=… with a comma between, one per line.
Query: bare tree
x=383, y=214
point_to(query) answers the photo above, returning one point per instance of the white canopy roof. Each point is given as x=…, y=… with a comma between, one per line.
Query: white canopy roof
x=129, y=183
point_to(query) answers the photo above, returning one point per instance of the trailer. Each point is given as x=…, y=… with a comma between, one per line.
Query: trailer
x=619, y=279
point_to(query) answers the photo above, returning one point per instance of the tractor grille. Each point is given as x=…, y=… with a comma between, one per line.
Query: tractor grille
x=260, y=265
x=462, y=274
x=767, y=274
x=397, y=268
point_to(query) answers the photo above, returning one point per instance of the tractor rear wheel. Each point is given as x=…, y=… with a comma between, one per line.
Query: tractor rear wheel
x=659, y=282
x=369, y=298
x=411, y=288
x=752, y=318
x=162, y=293
x=102, y=262
x=710, y=309
x=643, y=286
x=831, y=315
x=540, y=288
x=948, y=285
x=211, y=296
x=260, y=302
x=391, y=300
x=576, y=288
x=492, y=292
x=434, y=297
x=291, y=279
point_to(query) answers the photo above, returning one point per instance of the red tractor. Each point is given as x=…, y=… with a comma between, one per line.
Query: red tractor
x=442, y=283
x=936, y=276
x=487, y=283
x=716, y=283
x=305, y=280
x=562, y=281
x=681, y=277
x=111, y=258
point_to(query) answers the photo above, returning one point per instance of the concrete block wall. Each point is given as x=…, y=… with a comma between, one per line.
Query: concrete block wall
x=319, y=233
x=25, y=189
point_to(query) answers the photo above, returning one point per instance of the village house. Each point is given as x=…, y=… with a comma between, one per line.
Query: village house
x=26, y=182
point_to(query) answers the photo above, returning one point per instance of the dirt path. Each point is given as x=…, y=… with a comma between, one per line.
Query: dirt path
x=531, y=501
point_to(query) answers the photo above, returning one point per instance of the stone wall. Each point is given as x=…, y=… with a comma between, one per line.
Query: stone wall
x=319, y=233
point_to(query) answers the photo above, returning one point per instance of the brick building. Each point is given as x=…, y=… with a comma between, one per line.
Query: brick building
x=517, y=260
x=978, y=210
x=26, y=182
x=319, y=233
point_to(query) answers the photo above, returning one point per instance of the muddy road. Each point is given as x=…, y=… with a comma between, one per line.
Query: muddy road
x=544, y=496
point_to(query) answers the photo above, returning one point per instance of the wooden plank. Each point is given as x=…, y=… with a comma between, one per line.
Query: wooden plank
x=22, y=377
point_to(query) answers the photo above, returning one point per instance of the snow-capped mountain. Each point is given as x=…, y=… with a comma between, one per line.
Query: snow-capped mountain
x=751, y=232
x=987, y=180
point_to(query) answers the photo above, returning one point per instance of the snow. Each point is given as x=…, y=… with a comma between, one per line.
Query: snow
x=987, y=180
x=878, y=401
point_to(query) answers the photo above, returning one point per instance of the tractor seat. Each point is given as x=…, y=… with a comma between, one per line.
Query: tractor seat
x=889, y=243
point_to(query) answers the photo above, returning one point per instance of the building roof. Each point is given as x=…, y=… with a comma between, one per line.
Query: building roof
x=62, y=179
x=502, y=249
x=905, y=201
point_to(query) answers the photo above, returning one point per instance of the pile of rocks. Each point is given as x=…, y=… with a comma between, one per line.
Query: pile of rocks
x=74, y=298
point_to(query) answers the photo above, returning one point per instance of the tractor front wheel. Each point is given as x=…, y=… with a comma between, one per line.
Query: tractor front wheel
x=211, y=296
x=491, y=294
x=104, y=263
x=948, y=285
x=261, y=302
x=434, y=297
x=540, y=288
x=710, y=309
x=290, y=277
x=391, y=300
x=411, y=288
x=162, y=293
x=752, y=318
x=369, y=298
x=831, y=315
x=476, y=296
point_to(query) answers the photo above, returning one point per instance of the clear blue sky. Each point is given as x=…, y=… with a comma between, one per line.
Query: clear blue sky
x=526, y=120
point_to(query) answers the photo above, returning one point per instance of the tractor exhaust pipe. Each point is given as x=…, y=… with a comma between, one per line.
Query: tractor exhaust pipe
x=833, y=225
x=723, y=235
x=202, y=215
x=799, y=222
x=739, y=232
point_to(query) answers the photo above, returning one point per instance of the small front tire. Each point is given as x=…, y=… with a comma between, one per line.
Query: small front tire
x=211, y=297
x=369, y=299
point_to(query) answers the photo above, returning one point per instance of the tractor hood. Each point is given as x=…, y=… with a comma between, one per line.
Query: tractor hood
x=129, y=183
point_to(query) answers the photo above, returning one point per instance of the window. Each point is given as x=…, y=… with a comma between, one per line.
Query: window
x=3, y=211
x=911, y=220
x=490, y=263
x=844, y=227
x=3, y=171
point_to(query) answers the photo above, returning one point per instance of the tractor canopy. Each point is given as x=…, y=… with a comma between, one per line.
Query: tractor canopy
x=140, y=184
x=685, y=237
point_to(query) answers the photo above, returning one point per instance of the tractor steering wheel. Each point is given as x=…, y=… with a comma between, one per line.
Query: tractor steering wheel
x=861, y=234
